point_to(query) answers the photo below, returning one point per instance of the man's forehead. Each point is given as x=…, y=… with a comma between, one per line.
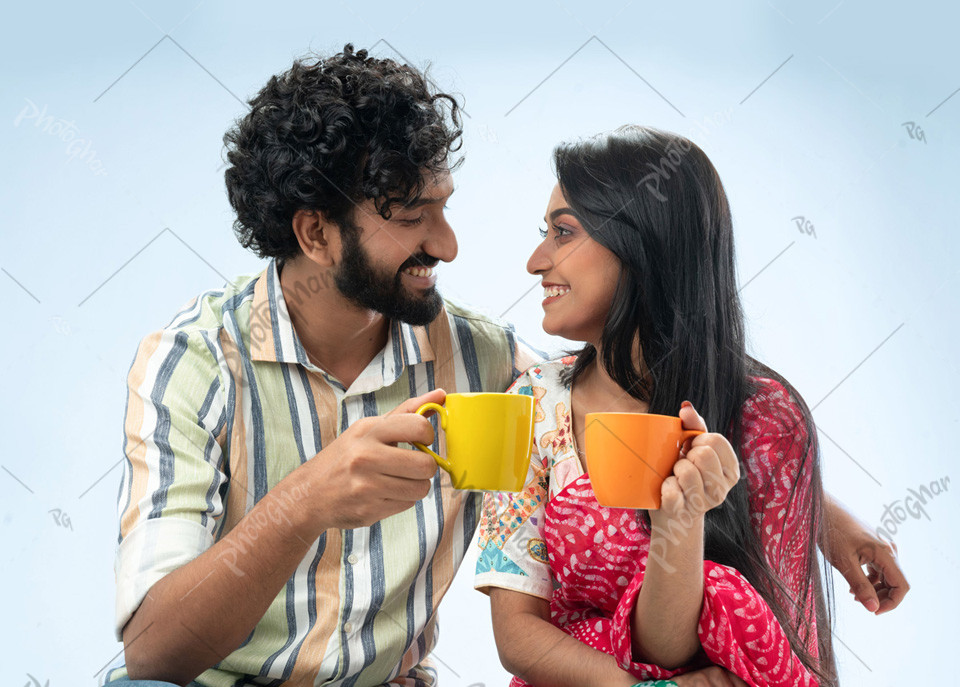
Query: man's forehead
x=437, y=187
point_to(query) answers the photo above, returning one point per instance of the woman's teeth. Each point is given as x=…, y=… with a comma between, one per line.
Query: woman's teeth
x=551, y=291
x=419, y=271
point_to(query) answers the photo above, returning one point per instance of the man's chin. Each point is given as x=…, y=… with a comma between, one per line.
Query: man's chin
x=421, y=311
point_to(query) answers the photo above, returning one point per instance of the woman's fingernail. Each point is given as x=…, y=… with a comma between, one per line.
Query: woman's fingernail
x=686, y=404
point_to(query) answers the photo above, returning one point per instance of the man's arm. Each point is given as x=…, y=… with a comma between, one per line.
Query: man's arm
x=193, y=617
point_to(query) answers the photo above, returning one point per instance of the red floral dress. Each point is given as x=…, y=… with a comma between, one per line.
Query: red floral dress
x=553, y=540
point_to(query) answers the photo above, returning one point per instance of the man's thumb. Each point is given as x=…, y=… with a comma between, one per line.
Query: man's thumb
x=411, y=404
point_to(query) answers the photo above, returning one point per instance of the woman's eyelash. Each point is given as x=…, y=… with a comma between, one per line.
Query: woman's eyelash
x=558, y=230
x=561, y=231
x=543, y=232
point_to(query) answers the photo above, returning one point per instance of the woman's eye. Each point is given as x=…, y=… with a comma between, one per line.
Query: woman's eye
x=559, y=232
x=411, y=222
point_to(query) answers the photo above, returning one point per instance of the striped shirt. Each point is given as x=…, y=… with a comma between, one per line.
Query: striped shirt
x=222, y=404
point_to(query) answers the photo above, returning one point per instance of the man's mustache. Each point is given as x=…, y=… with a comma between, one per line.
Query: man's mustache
x=421, y=260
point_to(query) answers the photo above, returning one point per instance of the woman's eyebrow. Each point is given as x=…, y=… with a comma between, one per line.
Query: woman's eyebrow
x=560, y=211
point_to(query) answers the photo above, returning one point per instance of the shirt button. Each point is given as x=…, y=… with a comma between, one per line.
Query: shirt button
x=352, y=560
x=348, y=627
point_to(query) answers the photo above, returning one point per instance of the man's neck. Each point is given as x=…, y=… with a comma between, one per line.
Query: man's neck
x=339, y=336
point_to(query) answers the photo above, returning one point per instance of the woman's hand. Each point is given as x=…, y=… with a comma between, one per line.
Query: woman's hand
x=707, y=470
x=709, y=677
x=850, y=545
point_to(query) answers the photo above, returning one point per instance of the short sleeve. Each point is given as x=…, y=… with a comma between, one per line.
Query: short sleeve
x=169, y=498
x=513, y=552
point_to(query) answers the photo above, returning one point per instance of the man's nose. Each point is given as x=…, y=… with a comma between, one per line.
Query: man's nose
x=441, y=243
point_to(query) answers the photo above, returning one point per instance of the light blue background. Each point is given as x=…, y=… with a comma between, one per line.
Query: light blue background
x=861, y=316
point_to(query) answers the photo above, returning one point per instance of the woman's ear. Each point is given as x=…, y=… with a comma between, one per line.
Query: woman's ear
x=319, y=239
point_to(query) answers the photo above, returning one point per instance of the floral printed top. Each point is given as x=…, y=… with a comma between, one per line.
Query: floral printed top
x=554, y=541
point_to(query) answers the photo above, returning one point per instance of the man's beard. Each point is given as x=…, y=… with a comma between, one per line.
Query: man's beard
x=359, y=280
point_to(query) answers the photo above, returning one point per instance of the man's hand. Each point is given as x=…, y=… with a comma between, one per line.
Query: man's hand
x=363, y=476
x=851, y=545
x=709, y=677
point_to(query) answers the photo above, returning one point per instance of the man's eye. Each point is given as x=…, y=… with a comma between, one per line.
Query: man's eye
x=411, y=222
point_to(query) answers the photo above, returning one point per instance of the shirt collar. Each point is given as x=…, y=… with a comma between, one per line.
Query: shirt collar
x=274, y=339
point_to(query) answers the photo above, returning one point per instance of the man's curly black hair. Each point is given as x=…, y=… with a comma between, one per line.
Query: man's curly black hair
x=328, y=134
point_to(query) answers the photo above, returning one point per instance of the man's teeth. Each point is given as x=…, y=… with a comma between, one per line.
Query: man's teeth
x=555, y=291
x=419, y=271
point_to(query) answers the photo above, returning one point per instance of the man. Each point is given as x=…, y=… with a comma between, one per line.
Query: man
x=271, y=529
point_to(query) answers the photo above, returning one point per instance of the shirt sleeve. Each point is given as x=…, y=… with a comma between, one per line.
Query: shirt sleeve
x=513, y=552
x=525, y=356
x=780, y=457
x=169, y=499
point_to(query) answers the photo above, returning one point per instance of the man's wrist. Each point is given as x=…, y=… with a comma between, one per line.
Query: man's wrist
x=296, y=500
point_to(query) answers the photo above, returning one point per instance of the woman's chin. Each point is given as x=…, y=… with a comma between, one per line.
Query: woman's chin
x=554, y=328
x=550, y=327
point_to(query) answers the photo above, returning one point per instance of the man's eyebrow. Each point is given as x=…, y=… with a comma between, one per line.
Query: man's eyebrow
x=428, y=201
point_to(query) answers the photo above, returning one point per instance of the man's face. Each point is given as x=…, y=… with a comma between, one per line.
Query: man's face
x=387, y=265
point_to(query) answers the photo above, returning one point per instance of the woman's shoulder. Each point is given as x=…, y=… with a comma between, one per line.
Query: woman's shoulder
x=772, y=408
x=548, y=374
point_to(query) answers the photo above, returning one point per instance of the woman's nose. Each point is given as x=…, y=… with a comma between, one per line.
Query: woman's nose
x=538, y=261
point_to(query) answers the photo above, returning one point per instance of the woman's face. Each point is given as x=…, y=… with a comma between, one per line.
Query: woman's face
x=579, y=276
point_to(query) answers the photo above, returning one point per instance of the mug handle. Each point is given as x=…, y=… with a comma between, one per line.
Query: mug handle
x=442, y=412
x=688, y=434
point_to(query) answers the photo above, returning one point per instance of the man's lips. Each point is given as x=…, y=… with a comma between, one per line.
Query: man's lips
x=418, y=271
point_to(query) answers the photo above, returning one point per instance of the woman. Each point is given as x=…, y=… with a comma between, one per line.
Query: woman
x=638, y=262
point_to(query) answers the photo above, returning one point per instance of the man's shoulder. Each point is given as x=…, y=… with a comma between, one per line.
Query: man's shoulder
x=194, y=335
x=208, y=311
x=475, y=316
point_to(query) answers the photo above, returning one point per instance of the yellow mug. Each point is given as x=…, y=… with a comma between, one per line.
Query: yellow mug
x=629, y=455
x=488, y=439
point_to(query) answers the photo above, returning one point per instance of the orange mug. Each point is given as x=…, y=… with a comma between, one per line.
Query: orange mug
x=629, y=455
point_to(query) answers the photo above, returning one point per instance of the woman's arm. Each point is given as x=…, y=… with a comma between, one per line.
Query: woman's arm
x=668, y=606
x=536, y=651
x=669, y=603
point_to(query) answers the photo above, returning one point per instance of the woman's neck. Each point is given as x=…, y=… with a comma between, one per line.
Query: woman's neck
x=601, y=393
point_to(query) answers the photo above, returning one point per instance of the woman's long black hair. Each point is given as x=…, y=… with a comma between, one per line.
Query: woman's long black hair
x=655, y=200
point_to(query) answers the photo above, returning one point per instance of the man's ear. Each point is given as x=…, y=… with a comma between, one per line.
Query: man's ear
x=319, y=238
